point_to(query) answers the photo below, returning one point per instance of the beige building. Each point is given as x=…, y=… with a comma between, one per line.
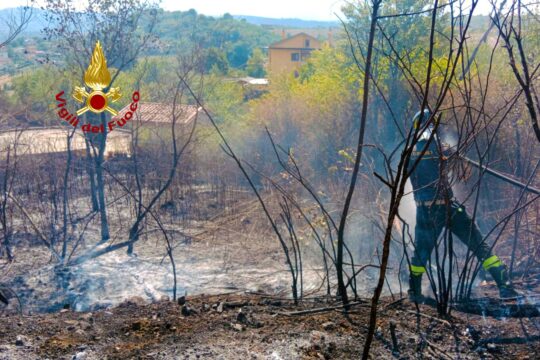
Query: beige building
x=289, y=54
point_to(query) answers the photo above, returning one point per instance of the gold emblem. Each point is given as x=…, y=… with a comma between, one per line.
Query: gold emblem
x=97, y=77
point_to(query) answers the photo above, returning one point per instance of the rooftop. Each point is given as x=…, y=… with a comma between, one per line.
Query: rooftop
x=151, y=112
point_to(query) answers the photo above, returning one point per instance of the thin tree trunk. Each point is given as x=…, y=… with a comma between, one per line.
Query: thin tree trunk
x=4, y=219
x=342, y=289
x=101, y=184
x=91, y=176
x=65, y=195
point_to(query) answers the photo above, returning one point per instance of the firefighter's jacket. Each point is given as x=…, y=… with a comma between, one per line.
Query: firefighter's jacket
x=429, y=178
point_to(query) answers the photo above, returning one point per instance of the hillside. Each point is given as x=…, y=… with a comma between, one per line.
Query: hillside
x=287, y=23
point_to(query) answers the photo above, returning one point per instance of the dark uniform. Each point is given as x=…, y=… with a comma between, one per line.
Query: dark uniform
x=432, y=192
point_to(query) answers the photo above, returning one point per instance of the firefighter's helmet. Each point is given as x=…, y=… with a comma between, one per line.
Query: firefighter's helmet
x=421, y=117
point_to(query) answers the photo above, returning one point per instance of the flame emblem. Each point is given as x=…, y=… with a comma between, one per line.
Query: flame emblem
x=97, y=77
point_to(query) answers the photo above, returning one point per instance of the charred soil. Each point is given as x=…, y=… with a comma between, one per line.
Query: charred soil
x=254, y=326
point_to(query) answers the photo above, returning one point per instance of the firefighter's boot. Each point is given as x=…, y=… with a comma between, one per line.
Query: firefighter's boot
x=499, y=272
x=415, y=288
x=415, y=284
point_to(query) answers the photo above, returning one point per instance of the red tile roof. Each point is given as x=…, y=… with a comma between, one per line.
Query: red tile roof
x=161, y=113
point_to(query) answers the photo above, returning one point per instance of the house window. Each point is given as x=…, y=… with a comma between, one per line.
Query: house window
x=295, y=57
x=307, y=43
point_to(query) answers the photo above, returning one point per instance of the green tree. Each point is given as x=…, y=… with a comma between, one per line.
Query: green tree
x=215, y=60
x=34, y=89
x=409, y=36
x=236, y=38
x=256, y=64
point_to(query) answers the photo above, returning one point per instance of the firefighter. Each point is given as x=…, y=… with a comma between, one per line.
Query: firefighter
x=432, y=192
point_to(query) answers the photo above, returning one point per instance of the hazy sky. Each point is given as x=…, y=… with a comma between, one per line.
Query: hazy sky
x=302, y=9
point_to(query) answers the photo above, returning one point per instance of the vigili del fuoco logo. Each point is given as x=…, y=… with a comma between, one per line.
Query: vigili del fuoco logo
x=97, y=79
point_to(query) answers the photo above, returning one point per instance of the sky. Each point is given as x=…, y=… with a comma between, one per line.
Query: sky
x=301, y=9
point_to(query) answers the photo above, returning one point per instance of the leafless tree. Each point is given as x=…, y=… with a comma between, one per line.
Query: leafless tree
x=178, y=140
x=9, y=174
x=16, y=22
x=115, y=25
x=521, y=53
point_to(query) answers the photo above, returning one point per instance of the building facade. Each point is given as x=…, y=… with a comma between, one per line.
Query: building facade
x=289, y=54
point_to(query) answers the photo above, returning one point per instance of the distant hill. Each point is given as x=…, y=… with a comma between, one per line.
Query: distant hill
x=221, y=41
x=288, y=23
x=37, y=22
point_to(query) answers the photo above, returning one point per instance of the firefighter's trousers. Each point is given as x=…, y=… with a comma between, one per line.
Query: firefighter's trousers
x=430, y=221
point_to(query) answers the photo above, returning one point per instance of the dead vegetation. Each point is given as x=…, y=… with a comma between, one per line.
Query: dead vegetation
x=233, y=326
x=304, y=243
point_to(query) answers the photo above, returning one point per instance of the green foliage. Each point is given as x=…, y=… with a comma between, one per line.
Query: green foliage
x=314, y=113
x=235, y=38
x=256, y=64
x=153, y=76
x=215, y=60
x=330, y=79
x=224, y=98
x=35, y=89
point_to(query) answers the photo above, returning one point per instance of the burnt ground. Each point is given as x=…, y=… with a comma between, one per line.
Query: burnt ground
x=248, y=326
x=224, y=255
